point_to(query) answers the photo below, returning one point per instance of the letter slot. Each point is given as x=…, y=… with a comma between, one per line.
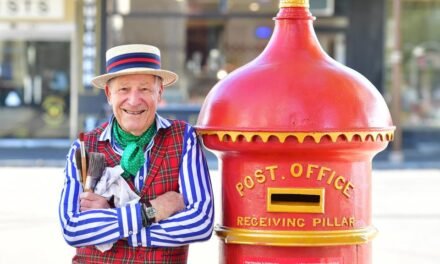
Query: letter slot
x=295, y=200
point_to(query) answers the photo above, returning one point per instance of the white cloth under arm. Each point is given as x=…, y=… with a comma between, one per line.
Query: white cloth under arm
x=112, y=184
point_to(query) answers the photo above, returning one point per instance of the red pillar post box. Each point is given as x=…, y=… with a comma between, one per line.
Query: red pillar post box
x=295, y=133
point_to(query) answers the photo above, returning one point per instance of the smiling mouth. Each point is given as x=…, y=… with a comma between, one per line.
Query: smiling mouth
x=133, y=112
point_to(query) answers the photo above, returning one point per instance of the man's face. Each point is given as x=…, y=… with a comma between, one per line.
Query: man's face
x=134, y=99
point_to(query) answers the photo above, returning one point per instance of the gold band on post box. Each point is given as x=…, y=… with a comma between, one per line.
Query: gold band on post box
x=296, y=238
x=294, y=3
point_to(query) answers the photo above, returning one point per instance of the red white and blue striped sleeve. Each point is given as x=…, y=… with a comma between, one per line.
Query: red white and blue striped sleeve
x=195, y=223
x=95, y=226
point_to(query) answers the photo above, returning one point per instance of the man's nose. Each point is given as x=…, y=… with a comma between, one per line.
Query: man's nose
x=134, y=97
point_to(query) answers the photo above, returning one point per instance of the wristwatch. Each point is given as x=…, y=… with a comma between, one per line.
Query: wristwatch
x=150, y=212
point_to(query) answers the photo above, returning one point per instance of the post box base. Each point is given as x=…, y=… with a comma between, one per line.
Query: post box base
x=255, y=254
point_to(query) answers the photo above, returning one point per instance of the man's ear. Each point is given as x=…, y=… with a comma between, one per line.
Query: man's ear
x=160, y=91
x=107, y=93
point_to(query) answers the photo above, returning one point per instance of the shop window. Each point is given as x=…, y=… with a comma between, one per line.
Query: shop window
x=420, y=91
x=34, y=89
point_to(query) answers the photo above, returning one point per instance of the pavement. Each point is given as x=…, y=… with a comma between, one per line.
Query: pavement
x=405, y=211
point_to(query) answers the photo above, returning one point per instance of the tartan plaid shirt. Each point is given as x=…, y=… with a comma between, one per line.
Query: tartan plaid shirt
x=174, y=162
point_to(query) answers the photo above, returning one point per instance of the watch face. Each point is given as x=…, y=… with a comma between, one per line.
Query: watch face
x=151, y=212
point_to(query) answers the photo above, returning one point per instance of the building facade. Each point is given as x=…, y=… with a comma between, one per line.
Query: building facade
x=50, y=49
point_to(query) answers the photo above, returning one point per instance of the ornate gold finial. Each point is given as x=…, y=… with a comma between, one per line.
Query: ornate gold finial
x=294, y=3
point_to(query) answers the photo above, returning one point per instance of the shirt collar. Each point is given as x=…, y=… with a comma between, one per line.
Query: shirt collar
x=161, y=123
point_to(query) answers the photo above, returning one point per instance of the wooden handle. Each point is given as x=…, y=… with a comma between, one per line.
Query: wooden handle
x=83, y=159
x=83, y=164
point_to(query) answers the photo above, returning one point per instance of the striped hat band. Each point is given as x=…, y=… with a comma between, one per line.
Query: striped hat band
x=134, y=59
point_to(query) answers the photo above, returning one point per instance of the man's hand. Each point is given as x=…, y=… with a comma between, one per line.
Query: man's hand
x=89, y=200
x=167, y=204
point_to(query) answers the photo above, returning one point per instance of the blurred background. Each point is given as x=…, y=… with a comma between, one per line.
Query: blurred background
x=50, y=50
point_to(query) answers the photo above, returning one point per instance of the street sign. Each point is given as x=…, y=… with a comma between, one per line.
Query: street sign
x=13, y=10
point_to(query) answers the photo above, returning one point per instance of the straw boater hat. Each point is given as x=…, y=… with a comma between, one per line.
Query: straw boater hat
x=133, y=59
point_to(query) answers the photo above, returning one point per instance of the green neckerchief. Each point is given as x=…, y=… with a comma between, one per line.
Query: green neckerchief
x=133, y=156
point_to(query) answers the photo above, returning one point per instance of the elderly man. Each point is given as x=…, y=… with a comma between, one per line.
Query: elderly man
x=162, y=161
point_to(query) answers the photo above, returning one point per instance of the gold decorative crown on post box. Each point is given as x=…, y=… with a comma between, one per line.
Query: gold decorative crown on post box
x=294, y=3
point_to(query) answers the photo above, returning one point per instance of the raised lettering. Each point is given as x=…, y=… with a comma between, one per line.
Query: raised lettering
x=272, y=221
x=336, y=222
x=272, y=169
x=239, y=220
x=276, y=221
x=330, y=179
x=259, y=176
x=300, y=222
x=239, y=187
x=328, y=223
x=249, y=182
x=296, y=170
x=310, y=168
x=351, y=220
x=322, y=171
x=344, y=221
x=337, y=185
x=291, y=222
x=254, y=221
x=348, y=186
x=316, y=222
x=263, y=221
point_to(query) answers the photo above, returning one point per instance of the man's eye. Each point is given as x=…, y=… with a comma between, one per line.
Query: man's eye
x=123, y=89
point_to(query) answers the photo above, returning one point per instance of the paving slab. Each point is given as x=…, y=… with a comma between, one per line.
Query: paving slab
x=405, y=210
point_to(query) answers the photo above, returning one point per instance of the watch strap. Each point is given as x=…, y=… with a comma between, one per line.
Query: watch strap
x=147, y=221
